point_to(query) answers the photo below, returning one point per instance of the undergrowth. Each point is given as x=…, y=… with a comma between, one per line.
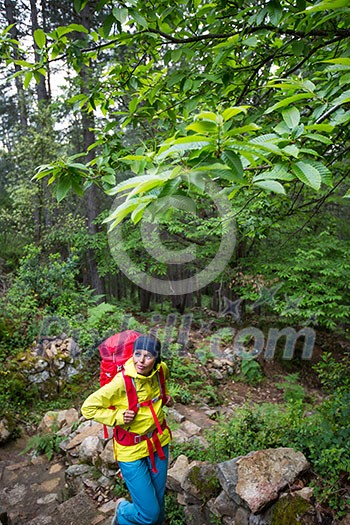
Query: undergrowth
x=322, y=433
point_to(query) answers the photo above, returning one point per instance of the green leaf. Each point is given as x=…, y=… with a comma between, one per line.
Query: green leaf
x=79, y=5
x=292, y=150
x=242, y=129
x=325, y=173
x=318, y=137
x=133, y=182
x=121, y=212
x=127, y=184
x=146, y=186
x=327, y=5
x=139, y=18
x=275, y=12
x=342, y=99
x=291, y=117
x=198, y=179
x=287, y=101
x=204, y=126
x=207, y=115
x=271, y=185
x=27, y=78
x=40, y=38
x=347, y=195
x=133, y=104
x=327, y=128
x=267, y=143
x=233, y=161
x=107, y=25
x=190, y=142
x=232, y=112
x=63, y=186
x=279, y=172
x=120, y=14
x=307, y=174
x=343, y=61
x=138, y=212
x=64, y=30
x=23, y=63
x=109, y=179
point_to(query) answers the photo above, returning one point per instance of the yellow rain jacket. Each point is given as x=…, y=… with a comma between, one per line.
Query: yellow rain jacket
x=97, y=405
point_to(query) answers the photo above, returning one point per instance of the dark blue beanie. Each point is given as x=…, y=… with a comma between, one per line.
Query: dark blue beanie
x=149, y=343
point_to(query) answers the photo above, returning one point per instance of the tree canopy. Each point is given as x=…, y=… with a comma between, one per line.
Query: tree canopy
x=243, y=101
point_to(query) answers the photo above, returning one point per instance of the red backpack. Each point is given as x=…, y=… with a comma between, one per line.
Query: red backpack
x=115, y=351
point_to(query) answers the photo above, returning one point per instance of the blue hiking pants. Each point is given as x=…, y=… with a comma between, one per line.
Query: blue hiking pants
x=146, y=489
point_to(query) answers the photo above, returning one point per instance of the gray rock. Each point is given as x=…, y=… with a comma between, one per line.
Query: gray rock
x=89, y=449
x=49, y=498
x=76, y=475
x=107, y=456
x=179, y=436
x=194, y=515
x=225, y=505
x=227, y=475
x=262, y=474
x=242, y=516
x=176, y=416
x=201, y=481
x=216, y=374
x=190, y=428
x=5, y=430
x=177, y=473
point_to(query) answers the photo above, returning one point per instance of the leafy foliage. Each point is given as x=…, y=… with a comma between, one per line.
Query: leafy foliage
x=305, y=283
x=48, y=444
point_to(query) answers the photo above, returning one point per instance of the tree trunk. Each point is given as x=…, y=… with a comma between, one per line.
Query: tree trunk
x=88, y=124
x=44, y=13
x=22, y=108
x=41, y=86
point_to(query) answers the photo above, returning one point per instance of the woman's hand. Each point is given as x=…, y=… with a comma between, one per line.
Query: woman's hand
x=128, y=416
x=169, y=402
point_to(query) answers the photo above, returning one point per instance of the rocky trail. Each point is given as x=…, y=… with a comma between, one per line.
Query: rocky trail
x=33, y=491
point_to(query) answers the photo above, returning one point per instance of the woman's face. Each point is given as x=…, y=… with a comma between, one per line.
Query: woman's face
x=143, y=361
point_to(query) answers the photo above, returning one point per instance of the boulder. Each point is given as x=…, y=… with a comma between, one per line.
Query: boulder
x=292, y=508
x=6, y=429
x=263, y=474
x=177, y=473
x=89, y=449
x=107, y=456
x=88, y=428
x=67, y=417
x=225, y=505
x=201, y=481
x=194, y=514
x=190, y=428
x=56, y=419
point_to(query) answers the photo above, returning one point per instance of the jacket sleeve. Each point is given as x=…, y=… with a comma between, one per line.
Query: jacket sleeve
x=97, y=405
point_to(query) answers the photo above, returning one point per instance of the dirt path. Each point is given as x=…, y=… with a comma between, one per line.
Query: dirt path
x=33, y=492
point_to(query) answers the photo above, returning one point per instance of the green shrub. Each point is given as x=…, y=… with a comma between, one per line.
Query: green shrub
x=48, y=444
x=251, y=370
x=292, y=390
x=174, y=512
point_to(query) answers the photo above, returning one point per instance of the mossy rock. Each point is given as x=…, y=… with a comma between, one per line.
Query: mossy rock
x=292, y=510
x=203, y=477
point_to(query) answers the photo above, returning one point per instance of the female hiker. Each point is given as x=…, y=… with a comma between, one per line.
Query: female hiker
x=132, y=403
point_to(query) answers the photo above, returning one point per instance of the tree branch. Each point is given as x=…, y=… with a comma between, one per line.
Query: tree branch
x=341, y=33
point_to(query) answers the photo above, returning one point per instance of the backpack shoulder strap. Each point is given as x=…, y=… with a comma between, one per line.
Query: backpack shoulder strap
x=161, y=380
x=131, y=393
